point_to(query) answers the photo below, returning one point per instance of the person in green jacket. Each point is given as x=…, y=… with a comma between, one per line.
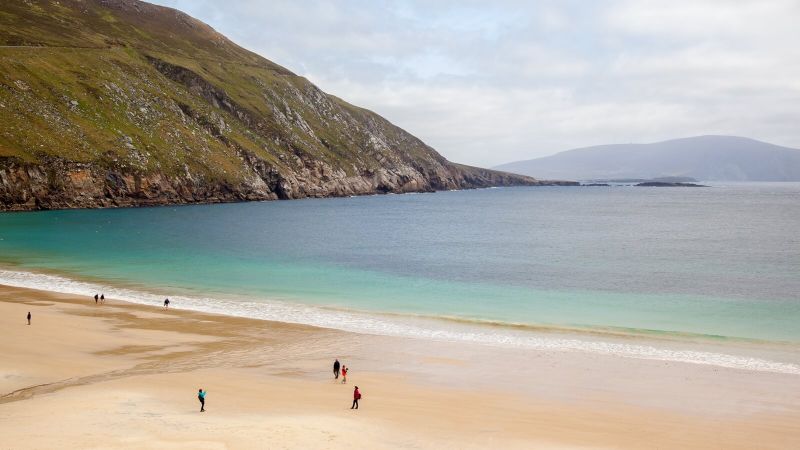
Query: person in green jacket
x=201, y=395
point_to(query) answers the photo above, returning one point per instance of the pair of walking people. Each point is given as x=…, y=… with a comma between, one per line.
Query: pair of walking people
x=336, y=371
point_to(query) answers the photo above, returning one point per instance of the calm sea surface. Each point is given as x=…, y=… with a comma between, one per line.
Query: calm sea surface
x=722, y=261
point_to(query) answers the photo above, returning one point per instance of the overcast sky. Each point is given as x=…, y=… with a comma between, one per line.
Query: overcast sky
x=488, y=82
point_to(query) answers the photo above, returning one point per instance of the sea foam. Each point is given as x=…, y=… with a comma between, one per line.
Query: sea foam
x=372, y=323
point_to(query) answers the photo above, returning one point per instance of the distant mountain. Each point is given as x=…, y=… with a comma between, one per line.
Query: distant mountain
x=122, y=103
x=712, y=158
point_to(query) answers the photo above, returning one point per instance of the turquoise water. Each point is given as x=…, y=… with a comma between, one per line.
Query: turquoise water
x=722, y=261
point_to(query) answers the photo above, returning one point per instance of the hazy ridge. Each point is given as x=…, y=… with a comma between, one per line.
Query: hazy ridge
x=712, y=158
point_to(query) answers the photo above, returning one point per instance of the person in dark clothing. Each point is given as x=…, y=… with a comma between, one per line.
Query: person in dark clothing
x=166, y=303
x=336, y=370
x=201, y=395
x=102, y=298
x=95, y=298
x=29, y=317
x=356, y=398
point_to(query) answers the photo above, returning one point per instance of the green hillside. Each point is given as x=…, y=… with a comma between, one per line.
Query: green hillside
x=120, y=102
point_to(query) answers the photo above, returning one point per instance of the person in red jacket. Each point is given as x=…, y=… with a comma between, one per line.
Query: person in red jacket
x=344, y=374
x=356, y=398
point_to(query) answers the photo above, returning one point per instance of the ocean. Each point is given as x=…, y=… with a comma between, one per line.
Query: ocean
x=503, y=266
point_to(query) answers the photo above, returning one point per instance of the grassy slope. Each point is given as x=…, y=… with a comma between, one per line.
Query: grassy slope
x=139, y=88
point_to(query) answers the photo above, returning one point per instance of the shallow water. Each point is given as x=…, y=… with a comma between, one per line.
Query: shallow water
x=720, y=262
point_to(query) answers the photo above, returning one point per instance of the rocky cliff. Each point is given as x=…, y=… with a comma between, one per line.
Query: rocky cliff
x=124, y=103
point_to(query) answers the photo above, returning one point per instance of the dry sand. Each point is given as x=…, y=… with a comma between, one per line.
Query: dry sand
x=126, y=376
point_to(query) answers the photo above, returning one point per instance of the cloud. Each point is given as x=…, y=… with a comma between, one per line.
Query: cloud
x=490, y=82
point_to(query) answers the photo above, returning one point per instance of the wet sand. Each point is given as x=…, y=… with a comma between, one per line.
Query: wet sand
x=126, y=376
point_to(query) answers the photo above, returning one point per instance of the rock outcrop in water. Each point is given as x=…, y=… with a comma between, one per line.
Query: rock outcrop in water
x=667, y=184
x=124, y=103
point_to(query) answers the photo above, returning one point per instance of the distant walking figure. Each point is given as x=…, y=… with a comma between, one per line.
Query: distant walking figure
x=102, y=298
x=29, y=317
x=336, y=370
x=95, y=298
x=356, y=398
x=344, y=374
x=201, y=395
x=166, y=303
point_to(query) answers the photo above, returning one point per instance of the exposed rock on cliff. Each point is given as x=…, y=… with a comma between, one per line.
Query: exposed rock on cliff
x=122, y=103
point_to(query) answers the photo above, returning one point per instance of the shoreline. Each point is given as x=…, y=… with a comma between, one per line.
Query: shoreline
x=128, y=203
x=747, y=354
x=122, y=375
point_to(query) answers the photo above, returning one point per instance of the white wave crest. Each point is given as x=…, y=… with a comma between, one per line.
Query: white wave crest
x=376, y=324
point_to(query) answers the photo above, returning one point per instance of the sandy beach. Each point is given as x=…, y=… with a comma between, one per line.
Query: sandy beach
x=121, y=375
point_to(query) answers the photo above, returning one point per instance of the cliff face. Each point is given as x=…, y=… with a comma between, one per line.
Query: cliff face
x=122, y=103
x=59, y=184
